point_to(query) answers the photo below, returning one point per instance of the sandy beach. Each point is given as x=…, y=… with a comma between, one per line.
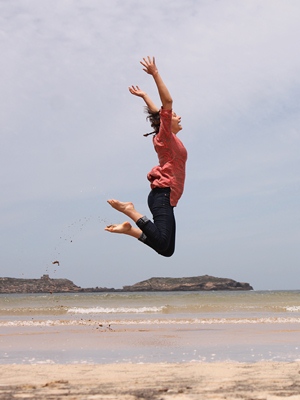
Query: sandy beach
x=35, y=378
x=263, y=380
x=252, y=352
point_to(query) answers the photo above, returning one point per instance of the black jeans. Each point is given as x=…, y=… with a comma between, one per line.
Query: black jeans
x=159, y=234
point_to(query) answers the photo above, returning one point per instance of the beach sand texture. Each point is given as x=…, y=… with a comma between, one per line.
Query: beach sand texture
x=151, y=346
x=225, y=380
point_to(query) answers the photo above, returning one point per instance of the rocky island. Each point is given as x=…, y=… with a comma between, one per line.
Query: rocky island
x=204, y=282
x=47, y=285
x=43, y=285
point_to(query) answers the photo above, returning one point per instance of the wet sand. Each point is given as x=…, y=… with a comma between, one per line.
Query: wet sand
x=224, y=361
x=226, y=380
x=94, y=344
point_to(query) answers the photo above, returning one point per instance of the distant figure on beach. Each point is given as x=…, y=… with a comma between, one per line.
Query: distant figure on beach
x=166, y=179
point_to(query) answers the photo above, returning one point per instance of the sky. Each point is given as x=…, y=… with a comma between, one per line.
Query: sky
x=72, y=137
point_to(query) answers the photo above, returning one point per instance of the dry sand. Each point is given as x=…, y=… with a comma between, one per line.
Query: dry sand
x=225, y=380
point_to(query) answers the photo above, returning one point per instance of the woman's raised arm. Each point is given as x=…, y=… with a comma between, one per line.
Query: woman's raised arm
x=136, y=91
x=151, y=69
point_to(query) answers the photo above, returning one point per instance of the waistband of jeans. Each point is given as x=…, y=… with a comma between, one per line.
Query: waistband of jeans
x=161, y=190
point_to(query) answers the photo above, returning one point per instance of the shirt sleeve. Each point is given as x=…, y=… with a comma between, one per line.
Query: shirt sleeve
x=165, y=132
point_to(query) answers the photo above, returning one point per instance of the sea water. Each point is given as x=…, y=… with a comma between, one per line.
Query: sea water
x=218, y=307
x=150, y=327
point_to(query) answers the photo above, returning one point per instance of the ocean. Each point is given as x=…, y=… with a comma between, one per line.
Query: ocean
x=201, y=326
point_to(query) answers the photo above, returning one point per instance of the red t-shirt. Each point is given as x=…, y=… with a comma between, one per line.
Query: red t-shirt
x=172, y=157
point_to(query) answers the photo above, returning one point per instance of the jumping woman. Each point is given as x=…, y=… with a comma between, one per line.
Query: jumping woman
x=166, y=179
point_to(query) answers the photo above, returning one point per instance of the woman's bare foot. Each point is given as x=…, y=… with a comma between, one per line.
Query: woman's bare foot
x=121, y=206
x=126, y=208
x=119, y=228
x=124, y=228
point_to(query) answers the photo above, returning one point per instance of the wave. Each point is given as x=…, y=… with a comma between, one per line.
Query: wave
x=115, y=310
x=108, y=323
x=166, y=309
x=293, y=308
x=171, y=309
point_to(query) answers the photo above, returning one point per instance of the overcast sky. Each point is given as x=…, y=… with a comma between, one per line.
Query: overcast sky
x=71, y=137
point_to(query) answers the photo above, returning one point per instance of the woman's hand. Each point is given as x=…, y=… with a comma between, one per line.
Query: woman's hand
x=149, y=65
x=140, y=93
x=137, y=91
x=164, y=94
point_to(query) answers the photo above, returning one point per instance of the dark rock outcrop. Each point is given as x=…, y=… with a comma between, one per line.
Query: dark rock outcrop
x=205, y=282
x=43, y=285
x=47, y=285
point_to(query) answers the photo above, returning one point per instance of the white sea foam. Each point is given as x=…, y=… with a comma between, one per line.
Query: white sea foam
x=115, y=310
x=108, y=323
x=293, y=308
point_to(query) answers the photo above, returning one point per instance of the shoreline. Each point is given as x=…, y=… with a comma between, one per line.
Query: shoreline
x=176, y=343
x=217, y=381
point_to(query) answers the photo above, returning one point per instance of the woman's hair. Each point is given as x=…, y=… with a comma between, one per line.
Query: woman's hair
x=154, y=118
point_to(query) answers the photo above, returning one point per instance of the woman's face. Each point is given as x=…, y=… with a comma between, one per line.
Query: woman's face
x=176, y=123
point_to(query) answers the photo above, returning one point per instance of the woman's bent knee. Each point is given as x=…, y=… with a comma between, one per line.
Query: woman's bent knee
x=167, y=253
